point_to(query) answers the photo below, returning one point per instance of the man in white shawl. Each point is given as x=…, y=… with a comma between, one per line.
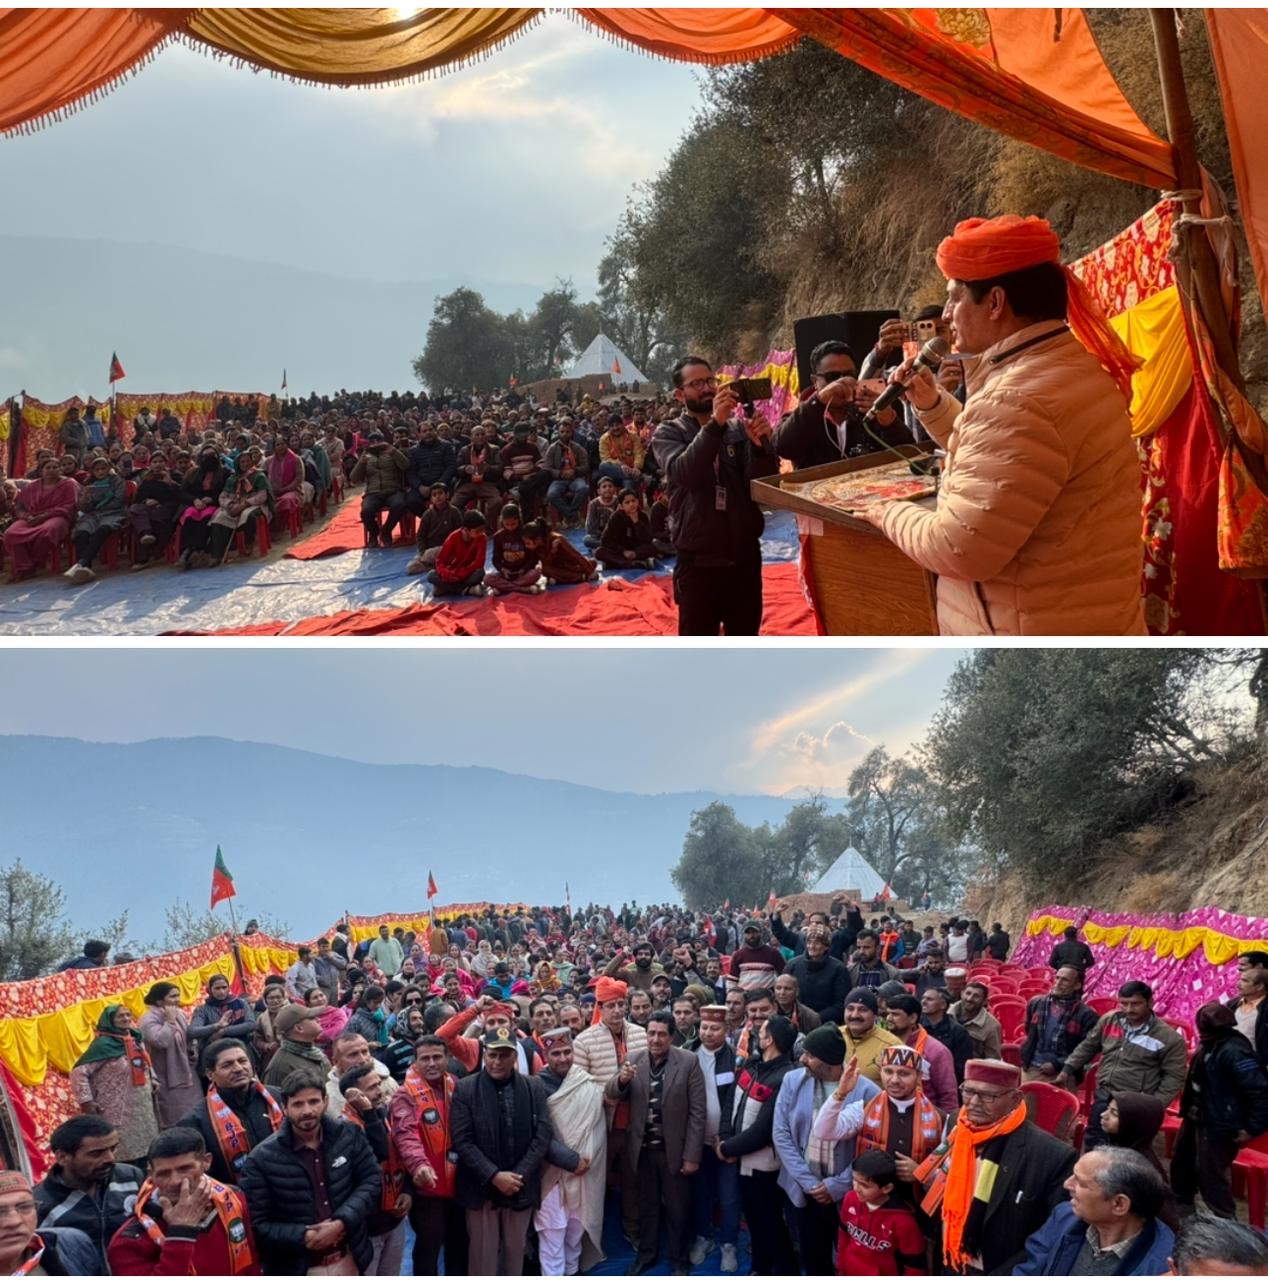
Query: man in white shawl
x=570, y=1221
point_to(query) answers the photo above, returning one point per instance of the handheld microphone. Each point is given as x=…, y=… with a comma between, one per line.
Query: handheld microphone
x=931, y=356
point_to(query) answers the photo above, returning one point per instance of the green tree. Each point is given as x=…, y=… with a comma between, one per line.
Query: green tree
x=34, y=931
x=188, y=925
x=467, y=345
x=1043, y=754
x=553, y=320
x=720, y=860
x=811, y=839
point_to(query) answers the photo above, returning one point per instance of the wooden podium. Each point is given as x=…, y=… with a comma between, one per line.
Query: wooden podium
x=863, y=585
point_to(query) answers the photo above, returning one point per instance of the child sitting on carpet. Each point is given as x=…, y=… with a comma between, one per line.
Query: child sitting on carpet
x=439, y=520
x=460, y=564
x=515, y=568
x=600, y=512
x=627, y=537
x=561, y=562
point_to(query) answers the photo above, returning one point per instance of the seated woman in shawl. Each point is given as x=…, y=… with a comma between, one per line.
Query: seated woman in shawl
x=113, y=1078
x=202, y=488
x=153, y=512
x=43, y=512
x=165, y=1030
x=223, y=1014
x=284, y=471
x=265, y=1039
x=483, y=961
x=101, y=513
x=242, y=500
x=546, y=978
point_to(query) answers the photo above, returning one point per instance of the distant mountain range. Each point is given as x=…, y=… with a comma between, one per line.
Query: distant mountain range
x=182, y=320
x=307, y=836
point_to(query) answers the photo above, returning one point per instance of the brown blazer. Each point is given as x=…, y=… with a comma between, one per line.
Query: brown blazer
x=683, y=1109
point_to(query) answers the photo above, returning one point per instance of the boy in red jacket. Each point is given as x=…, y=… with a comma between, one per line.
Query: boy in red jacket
x=184, y=1223
x=879, y=1233
x=460, y=564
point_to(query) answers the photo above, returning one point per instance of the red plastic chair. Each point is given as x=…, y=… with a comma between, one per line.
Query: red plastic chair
x=1040, y=971
x=1012, y=1053
x=1053, y=1109
x=1102, y=1004
x=1171, y=1127
x=1250, y=1179
x=1190, y=1038
x=262, y=541
x=1011, y=1018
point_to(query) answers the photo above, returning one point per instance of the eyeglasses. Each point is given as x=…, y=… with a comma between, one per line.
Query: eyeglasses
x=710, y=381
x=19, y=1210
x=969, y=1094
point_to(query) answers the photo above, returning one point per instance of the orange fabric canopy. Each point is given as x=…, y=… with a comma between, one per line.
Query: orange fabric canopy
x=1035, y=74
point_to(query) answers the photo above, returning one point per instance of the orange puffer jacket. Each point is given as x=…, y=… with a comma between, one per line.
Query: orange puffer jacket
x=1037, y=528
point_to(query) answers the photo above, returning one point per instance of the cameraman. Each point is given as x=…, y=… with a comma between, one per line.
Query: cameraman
x=887, y=354
x=827, y=424
x=707, y=461
x=382, y=466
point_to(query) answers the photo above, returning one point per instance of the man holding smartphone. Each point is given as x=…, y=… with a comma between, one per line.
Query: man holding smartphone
x=827, y=424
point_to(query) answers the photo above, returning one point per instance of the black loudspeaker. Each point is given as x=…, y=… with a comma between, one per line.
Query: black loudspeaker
x=857, y=329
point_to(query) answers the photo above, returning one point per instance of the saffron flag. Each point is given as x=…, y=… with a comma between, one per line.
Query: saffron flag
x=432, y=891
x=221, y=881
x=116, y=369
x=770, y=901
x=616, y=366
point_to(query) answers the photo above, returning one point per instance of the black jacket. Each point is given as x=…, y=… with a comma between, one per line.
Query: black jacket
x=956, y=1039
x=998, y=944
x=1226, y=1089
x=1261, y=1030
x=686, y=454
x=1033, y=1167
x=809, y=440
x=822, y=984
x=473, y=1135
x=280, y=1195
x=98, y=1217
x=251, y=1110
x=1076, y=954
x=429, y=464
x=760, y=1080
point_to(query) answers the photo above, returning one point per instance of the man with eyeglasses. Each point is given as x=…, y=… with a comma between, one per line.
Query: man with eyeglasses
x=1023, y=1169
x=26, y=1251
x=708, y=460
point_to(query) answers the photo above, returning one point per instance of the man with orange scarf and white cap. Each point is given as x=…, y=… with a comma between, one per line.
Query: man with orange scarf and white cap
x=600, y=1050
x=996, y=1178
x=1037, y=525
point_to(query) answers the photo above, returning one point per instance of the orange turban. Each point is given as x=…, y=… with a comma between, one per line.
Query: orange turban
x=606, y=989
x=983, y=248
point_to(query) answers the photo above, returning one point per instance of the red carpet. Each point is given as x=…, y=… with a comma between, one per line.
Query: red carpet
x=613, y=608
x=345, y=532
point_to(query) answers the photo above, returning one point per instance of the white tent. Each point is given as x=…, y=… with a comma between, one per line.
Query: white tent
x=604, y=359
x=850, y=871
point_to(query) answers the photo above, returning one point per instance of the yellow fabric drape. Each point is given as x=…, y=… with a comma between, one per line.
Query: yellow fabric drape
x=1154, y=330
x=356, y=46
x=261, y=961
x=1219, y=948
x=29, y=1046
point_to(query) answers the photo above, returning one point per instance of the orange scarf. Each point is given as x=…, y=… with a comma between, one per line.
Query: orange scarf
x=926, y=1126
x=433, y=1126
x=34, y=1260
x=963, y=1188
x=231, y=1133
x=242, y=1259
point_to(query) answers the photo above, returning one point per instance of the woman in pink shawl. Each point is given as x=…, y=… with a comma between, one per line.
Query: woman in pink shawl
x=285, y=472
x=333, y=1018
x=45, y=510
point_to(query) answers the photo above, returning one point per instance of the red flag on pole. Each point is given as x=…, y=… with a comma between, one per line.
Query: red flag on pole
x=221, y=881
x=616, y=366
x=116, y=369
x=432, y=891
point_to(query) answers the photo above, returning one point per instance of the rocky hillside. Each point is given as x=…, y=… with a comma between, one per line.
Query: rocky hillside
x=1208, y=850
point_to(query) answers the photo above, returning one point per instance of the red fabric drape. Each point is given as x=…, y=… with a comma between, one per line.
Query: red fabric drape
x=698, y=35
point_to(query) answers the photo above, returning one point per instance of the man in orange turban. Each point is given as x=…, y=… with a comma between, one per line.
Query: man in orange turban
x=1037, y=525
x=600, y=1050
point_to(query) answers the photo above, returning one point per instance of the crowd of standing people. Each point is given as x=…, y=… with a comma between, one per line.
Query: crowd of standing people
x=833, y=1086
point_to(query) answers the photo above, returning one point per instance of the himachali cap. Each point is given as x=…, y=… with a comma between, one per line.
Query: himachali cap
x=560, y=1035
x=989, y=1071
x=713, y=1013
x=900, y=1055
x=12, y=1180
x=957, y=972
x=499, y=1038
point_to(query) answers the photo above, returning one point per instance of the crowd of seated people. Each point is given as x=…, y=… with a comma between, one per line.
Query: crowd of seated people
x=489, y=1087
x=194, y=498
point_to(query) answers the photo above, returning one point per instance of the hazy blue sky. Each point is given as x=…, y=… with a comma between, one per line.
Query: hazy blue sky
x=623, y=719
x=507, y=173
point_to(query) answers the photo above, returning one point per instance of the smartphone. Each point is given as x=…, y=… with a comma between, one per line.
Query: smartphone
x=747, y=390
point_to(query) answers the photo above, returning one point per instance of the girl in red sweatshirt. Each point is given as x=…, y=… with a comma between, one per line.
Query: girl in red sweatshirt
x=879, y=1233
